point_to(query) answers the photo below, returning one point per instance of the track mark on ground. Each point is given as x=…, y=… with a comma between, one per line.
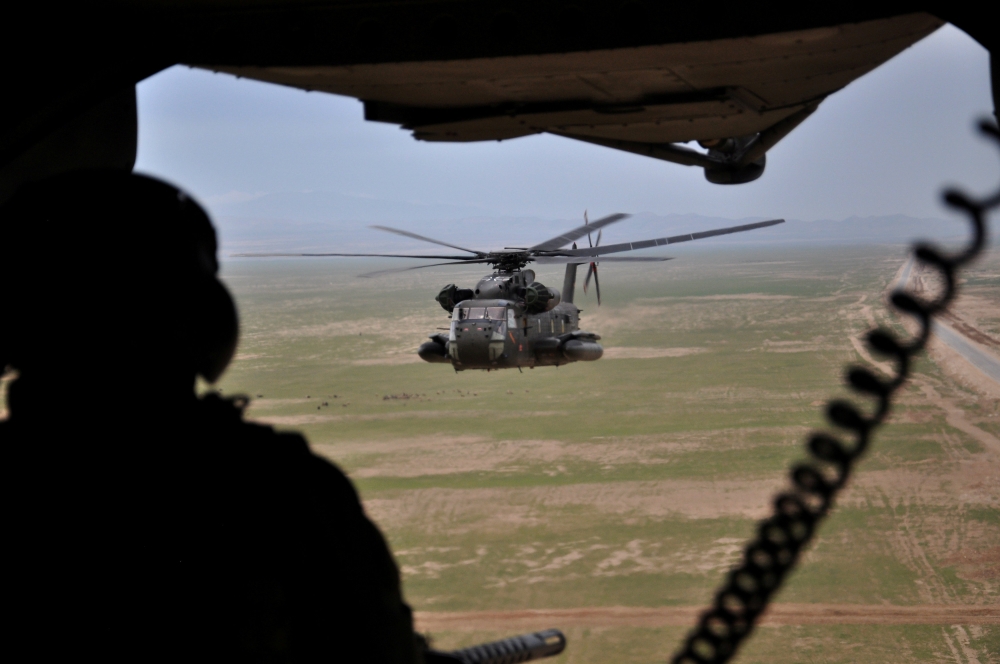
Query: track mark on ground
x=680, y=616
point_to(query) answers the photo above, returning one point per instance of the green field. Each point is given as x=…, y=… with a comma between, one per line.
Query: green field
x=633, y=481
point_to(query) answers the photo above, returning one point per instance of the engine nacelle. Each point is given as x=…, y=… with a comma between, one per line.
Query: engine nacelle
x=539, y=298
x=451, y=295
x=432, y=351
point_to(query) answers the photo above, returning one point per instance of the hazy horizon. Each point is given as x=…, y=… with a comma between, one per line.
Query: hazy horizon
x=264, y=159
x=239, y=235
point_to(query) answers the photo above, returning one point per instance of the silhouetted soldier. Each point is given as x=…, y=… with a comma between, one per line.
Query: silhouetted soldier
x=144, y=523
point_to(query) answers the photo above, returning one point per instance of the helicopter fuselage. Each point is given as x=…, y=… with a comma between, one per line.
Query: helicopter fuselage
x=510, y=332
x=510, y=320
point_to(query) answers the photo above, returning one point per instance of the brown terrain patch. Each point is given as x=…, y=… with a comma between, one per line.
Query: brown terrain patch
x=439, y=455
x=976, y=565
x=443, y=445
x=977, y=335
x=531, y=563
x=392, y=360
x=643, y=353
x=264, y=402
x=714, y=439
x=957, y=417
x=297, y=420
x=979, y=306
x=401, y=327
x=810, y=346
x=960, y=370
x=464, y=510
x=969, y=483
x=683, y=616
x=714, y=298
x=678, y=314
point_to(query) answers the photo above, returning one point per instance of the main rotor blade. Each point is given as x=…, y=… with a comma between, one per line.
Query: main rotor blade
x=645, y=244
x=274, y=255
x=377, y=273
x=579, y=232
x=580, y=260
x=397, y=231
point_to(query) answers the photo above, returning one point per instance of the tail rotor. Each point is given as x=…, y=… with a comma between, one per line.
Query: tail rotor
x=592, y=270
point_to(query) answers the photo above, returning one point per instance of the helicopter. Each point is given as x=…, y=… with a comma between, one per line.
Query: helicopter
x=509, y=320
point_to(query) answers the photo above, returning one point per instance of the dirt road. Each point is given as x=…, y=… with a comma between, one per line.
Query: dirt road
x=970, y=343
x=682, y=616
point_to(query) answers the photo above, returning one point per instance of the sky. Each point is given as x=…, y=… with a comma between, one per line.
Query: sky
x=884, y=145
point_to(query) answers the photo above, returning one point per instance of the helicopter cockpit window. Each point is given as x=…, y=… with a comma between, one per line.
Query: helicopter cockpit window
x=496, y=313
x=477, y=313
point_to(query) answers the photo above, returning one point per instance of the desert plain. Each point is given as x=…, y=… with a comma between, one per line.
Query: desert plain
x=608, y=499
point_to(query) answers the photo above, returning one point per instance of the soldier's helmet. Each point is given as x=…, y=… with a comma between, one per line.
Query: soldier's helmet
x=116, y=270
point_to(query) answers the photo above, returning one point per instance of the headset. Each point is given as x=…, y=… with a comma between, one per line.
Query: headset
x=139, y=258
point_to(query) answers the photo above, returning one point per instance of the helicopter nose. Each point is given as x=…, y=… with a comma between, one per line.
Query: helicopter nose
x=473, y=341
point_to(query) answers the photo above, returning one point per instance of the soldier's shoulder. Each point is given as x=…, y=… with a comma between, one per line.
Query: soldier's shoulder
x=284, y=453
x=226, y=416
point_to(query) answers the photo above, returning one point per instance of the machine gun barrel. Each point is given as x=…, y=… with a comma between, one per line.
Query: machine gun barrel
x=516, y=649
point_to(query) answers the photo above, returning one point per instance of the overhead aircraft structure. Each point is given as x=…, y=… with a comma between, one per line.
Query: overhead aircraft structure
x=734, y=97
x=709, y=85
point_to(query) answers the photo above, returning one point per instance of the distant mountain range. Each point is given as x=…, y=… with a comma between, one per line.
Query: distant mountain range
x=322, y=221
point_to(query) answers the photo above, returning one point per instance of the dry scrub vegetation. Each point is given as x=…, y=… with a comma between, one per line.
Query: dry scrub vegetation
x=610, y=498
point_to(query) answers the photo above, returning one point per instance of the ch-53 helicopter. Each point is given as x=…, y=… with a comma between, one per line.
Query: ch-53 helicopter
x=510, y=320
